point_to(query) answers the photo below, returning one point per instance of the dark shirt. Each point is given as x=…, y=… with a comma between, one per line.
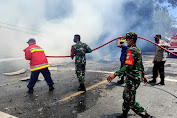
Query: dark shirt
x=123, y=51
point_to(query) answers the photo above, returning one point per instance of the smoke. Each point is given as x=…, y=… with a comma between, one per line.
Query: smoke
x=55, y=22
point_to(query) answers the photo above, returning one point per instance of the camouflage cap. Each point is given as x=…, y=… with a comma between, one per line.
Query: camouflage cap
x=131, y=35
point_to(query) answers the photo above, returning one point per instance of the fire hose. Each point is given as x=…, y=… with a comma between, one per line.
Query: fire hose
x=158, y=45
x=118, y=38
x=92, y=50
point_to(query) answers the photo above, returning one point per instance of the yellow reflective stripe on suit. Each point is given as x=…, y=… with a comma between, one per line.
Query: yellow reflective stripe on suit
x=40, y=67
x=36, y=50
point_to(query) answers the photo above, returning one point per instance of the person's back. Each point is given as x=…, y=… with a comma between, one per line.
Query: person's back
x=38, y=64
x=37, y=57
x=79, y=50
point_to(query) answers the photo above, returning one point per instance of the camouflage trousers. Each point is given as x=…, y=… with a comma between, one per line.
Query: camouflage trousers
x=129, y=95
x=80, y=72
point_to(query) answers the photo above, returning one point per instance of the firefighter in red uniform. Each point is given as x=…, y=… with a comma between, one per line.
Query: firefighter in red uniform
x=38, y=63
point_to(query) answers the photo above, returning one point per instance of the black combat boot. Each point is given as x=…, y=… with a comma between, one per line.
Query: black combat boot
x=123, y=115
x=81, y=87
x=148, y=116
x=152, y=81
x=160, y=83
x=120, y=82
x=30, y=90
x=51, y=88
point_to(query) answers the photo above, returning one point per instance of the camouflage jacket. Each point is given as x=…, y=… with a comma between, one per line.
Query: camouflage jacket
x=133, y=67
x=79, y=50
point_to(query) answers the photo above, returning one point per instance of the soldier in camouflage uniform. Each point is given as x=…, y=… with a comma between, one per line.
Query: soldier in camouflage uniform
x=134, y=72
x=79, y=50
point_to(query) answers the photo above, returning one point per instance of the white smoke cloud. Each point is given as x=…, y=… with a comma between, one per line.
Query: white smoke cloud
x=97, y=21
x=58, y=21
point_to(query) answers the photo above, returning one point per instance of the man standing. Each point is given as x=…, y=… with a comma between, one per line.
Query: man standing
x=134, y=71
x=124, y=48
x=159, y=60
x=38, y=63
x=79, y=50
